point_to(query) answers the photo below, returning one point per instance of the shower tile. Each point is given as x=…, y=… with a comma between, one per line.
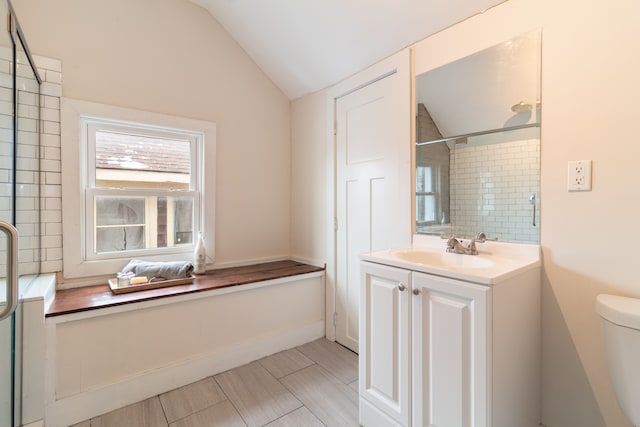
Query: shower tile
x=257, y=395
x=285, y=362
x=191, y=398
x=147, y=413
x=83, y=424
x=48, y=63
x=338, y=360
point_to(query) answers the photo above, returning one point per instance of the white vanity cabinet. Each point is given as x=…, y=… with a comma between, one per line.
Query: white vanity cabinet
x=443, y=352
x=384, y=387
x=449, y=354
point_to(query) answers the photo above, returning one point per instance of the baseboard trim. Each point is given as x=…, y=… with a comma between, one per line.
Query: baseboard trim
x=91, y=403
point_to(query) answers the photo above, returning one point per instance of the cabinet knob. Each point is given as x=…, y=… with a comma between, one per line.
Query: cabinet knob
x=401, y=287
x=416, y=291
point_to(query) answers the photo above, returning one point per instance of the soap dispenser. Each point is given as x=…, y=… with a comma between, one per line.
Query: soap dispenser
x=199, y=256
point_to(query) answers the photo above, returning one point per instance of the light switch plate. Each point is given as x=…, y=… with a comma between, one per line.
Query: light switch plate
x=579, y=175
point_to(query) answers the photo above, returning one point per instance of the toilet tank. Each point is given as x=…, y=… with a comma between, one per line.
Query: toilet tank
x=620, y=319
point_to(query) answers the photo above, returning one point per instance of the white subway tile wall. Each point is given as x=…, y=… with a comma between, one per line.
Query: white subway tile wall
x=29, y=179
x=27, y=167
x=26, y=164
x=50, y=179
x=492, y=185
x=6, y=149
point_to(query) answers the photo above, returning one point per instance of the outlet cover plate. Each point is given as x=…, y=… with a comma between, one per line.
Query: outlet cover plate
x=579, y=175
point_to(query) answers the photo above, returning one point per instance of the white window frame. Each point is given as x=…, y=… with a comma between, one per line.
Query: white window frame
x=436, y=193
x=89, y=127
x=78, y=123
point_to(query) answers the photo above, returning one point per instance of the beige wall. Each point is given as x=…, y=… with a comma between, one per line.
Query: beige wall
x=589, y=87
x=308, y=178
x=172, y=57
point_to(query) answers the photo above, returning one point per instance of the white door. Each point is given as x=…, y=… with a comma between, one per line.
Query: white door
x=450, y=370
x=384, y=340
x=373, y=207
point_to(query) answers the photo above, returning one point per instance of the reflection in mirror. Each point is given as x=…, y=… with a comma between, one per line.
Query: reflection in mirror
x=478, y=144
x=494, y=178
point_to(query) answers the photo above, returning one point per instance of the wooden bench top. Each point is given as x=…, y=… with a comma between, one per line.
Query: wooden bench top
x=100, y=296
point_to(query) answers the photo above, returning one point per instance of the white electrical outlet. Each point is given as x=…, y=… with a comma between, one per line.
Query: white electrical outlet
x=579, y=176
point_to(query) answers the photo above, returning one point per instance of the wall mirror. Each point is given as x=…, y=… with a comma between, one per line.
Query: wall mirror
x=478, y=144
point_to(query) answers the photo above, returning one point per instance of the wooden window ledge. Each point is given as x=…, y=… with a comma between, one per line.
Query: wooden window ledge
x=100, y=296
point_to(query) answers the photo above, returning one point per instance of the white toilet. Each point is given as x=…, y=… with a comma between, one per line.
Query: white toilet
x=620, y=318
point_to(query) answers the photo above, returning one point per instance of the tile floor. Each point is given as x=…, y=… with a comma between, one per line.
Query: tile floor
x=312, y=385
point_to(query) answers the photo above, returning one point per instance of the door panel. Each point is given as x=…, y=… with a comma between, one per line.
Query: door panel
x=364, y=143
x=371, y=208
x=384, y=375
x=450, y=341
x=450, y=367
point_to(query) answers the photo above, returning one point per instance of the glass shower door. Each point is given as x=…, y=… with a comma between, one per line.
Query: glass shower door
x=19, y=203
x=10, y=322
x=7, y=204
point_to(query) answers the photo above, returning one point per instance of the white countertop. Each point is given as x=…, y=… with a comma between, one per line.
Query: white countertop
x=495, y=262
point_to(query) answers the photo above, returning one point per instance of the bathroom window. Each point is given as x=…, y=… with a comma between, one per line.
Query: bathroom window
x=428, y=211
x=144, y=190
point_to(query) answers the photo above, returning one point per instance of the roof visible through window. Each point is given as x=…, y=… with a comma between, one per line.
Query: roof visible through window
x=129, y=161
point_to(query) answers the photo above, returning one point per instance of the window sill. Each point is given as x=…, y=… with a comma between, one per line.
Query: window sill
x=77, y=300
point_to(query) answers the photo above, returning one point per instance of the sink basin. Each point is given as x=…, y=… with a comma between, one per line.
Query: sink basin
x=443, y=259
x=496, y=262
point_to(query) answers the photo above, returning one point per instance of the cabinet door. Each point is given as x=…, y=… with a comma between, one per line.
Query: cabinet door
x=450, y=359
x=384, y=339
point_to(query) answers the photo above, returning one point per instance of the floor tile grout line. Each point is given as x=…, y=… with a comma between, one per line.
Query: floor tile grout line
x=328, y=372
x=164, y=412
x=225, y=395
x=292, y=372
x=198, y=411
x=290, y=412
x=326, y=369
x=297, y=397
x=201, y=410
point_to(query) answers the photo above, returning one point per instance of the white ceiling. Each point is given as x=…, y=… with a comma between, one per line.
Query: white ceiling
x=308, y=45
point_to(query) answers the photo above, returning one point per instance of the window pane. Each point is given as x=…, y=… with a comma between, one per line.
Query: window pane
x=424, y=179
x=119, y=210
x=175, y=221
x=129, y=223
x=132, y=161
x=184, y=220
x=118, y=238
x=425, y=208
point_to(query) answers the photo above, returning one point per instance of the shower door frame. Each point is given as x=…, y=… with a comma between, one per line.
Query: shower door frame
x=13, y=315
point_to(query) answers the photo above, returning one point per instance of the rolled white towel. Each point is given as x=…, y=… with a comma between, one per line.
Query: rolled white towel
x=159, y=270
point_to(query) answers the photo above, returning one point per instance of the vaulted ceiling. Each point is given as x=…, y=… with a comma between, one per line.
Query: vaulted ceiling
x=308, y=45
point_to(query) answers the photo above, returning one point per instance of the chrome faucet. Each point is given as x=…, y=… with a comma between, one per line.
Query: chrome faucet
x=455, y=246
